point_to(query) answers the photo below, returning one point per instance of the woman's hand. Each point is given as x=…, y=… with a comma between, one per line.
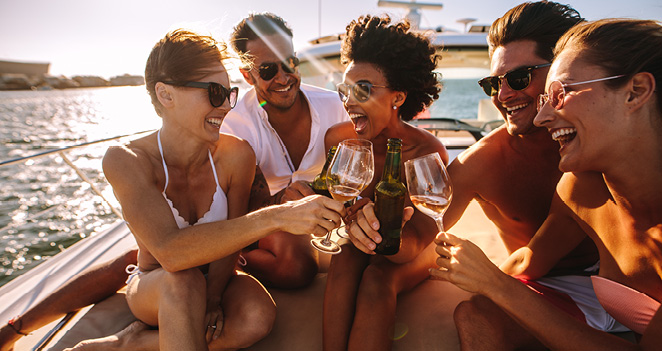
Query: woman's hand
x=213, y=321
x=314, y=214
x=464, y=264
x=363, y=231
x=296, y=191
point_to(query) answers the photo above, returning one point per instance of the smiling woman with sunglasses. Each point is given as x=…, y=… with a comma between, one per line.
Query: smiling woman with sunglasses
x=388, y=80
x=184, y=192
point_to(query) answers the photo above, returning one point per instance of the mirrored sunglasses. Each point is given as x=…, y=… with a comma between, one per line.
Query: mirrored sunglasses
x=556, y=92
x=217, y=92
x=517, y=79
x=268, y=70
x=361, y=90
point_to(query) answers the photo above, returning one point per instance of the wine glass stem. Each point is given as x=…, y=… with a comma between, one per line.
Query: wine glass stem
x=327, y=238
x=440, y=223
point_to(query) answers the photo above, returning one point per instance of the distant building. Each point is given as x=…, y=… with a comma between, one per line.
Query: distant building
x=27, y=68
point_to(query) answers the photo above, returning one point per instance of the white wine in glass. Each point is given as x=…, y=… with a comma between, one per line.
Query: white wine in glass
x=350, y=172
x=429, y=186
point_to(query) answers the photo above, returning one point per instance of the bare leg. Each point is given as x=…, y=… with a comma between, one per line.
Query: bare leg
x=342, y=285
x=90, y=286
x=137, y=336
x=249, y=313
x=482, y=325
x=382, y=281
x=283, y=260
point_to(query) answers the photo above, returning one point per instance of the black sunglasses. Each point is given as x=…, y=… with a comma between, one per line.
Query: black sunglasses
x=268, y=70
x=516, y=79
x=217, y=92
x=361, y=90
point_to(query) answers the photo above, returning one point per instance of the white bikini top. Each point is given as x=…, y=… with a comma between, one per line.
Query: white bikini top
x=218, y=210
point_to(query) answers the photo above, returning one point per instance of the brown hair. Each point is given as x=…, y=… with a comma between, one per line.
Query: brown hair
x=181, y=55
x=543, y=22
x=406, y=59
x=619, y=46
x=257, y=25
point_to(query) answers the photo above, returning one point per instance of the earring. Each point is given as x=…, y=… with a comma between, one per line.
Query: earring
x=395, y=107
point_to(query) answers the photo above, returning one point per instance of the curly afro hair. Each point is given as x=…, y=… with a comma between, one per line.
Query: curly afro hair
x=406, y=59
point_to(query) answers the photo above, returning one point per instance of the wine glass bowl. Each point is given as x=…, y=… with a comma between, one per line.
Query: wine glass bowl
x=350, y=172
x=429, y=186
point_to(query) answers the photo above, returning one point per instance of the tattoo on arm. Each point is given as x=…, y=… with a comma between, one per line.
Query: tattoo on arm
x=260, y=195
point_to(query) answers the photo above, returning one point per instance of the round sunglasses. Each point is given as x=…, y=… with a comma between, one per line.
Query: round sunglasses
x=217, y=92
x=556, y=92
x=361, y=90
x=516, y=79
x=268, y=70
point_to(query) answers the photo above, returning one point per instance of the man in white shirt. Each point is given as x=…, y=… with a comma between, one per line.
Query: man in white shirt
x=285, y=123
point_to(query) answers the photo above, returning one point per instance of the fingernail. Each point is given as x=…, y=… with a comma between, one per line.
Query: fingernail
x=375, y=225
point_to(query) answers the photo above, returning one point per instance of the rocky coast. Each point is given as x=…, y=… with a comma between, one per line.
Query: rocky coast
x=21, y=81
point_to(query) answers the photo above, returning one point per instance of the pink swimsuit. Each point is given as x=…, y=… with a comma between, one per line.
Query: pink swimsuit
x=632, y=308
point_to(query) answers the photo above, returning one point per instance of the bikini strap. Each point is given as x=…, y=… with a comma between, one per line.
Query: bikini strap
x=165, y=168
x=213, y=168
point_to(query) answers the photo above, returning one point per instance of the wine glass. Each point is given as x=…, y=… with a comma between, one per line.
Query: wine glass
x=429, y=186
x=350, y=172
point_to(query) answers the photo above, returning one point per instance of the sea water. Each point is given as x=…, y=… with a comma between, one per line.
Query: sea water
x=45, y=207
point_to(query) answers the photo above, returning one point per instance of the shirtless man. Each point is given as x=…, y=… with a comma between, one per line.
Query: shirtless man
x=284, y=121
x=512, y=173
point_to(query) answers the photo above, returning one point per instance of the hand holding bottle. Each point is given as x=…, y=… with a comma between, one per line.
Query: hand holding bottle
x=364, y=230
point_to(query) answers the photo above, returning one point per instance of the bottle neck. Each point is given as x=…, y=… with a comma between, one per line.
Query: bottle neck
x=392, y=164
x=327, y=163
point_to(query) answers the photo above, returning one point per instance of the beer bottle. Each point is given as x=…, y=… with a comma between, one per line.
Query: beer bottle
x=390, y=201
x=319, y=183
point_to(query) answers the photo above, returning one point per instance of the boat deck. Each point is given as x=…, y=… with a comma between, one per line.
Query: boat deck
x=423, y=318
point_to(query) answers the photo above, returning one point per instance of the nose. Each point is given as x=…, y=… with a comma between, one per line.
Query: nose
x=545, y=116
x=505, y=91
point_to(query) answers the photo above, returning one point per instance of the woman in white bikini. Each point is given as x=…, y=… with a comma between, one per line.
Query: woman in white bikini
x=184, y=191
x=604, y=106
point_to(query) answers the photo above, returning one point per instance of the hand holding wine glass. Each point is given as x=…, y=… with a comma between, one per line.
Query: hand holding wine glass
x=429, y=186
x=350, y=172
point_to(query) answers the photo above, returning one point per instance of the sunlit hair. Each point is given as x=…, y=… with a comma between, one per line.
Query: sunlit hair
x=406, y=59
x=543, y=22
x=255, y=26
x=181, y=55
x=619, y=46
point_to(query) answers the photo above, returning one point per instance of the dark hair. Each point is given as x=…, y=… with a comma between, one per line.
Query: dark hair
x=543, y=22
x=255, y=26
x=619, y=46
x=181, y=55
x=406, y=59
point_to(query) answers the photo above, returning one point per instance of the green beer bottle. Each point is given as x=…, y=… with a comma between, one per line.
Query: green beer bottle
x=390, y=200
x=319, y=183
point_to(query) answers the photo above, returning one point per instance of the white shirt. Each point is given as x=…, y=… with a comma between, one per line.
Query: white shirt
x=249, y=121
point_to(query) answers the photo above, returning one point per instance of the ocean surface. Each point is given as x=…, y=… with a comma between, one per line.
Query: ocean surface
x=45, y=207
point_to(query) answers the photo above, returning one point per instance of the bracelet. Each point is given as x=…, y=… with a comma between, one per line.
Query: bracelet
x=12, y=324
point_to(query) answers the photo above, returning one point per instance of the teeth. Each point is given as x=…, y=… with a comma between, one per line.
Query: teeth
x=355, y=115
x=513, y=108
x=557, y=134
x=215, y=121
x=284, y=89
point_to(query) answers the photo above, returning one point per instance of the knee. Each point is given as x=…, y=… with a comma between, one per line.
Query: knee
x=184, y=286
x=253, y=323
x=468, y=312
x=375, y=283
x=295, y=271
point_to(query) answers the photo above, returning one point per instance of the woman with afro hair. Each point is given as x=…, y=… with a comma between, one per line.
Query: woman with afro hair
x=389, y=79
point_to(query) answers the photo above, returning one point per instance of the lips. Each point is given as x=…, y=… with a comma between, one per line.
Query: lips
x=215, y=121
x=360, y=122
x=564, y=135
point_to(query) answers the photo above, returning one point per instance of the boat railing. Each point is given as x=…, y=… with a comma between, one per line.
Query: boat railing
x=63, y=153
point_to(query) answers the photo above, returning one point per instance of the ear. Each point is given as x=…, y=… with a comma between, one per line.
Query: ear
x=164, y=94
x=247, y=76
x=400, y=97
x=640, y=90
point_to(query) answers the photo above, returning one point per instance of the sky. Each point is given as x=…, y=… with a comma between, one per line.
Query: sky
x=110, y=38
